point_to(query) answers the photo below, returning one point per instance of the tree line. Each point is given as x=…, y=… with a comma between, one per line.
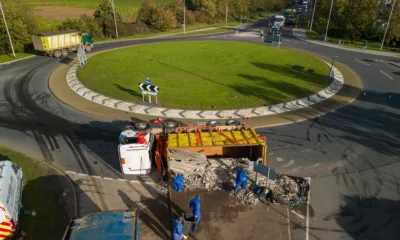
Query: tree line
x=356, y=20
x=149, y=18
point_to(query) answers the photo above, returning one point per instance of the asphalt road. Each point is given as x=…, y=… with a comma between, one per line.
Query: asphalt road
x=351, y=154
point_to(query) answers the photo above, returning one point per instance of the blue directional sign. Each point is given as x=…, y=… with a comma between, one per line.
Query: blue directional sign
x=148, y=81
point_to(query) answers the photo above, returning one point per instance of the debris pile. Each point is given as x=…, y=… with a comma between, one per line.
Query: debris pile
x=220, y=173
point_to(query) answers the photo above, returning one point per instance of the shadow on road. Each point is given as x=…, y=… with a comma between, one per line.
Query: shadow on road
x=369, y=218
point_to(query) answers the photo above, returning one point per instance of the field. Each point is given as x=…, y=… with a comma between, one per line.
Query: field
x=206, y=75
x=45, y=191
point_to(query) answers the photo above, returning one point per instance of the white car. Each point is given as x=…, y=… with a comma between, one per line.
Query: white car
x=279, y=20
x=299, y=10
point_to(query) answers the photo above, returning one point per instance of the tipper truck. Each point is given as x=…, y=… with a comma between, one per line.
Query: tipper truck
x=59, y=44
x=141, y=147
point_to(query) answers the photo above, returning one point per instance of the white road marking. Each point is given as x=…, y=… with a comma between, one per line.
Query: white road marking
x=363, y=62
x=308, y=210
x=279, y=159
x=291, y=162
x=288, y=224
x=297, y=214
x=307, y=150
x=387, y=75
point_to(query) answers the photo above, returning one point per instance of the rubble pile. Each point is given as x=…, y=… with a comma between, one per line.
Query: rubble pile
x=220, y=173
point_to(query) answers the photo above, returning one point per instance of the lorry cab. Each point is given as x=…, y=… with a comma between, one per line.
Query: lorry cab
x=279, y=20
x=134, y=151
x=11, y=183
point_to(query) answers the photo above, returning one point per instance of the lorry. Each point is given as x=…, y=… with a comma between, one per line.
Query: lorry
x=291, y=20
x=279, y=20
x=109, y=225
x=11, y=184
x=59, y=44
x=143, y=144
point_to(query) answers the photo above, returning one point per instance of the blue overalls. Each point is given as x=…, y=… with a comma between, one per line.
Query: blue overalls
x=241, y=179
x=195, y=205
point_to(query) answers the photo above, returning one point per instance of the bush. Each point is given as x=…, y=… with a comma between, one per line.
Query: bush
x=336, y=32
x=162, y=19
x=85, y=24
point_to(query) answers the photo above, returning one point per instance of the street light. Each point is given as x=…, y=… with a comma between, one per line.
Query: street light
x=248, y=12
x=333, y=62
x=387, y=25
x=226, y=12
x=312, y=18
x=115, y=18
x=184, y=16
x=327, y=25
x=8, y=33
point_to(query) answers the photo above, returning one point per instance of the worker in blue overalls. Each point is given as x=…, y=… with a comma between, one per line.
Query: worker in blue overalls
x=241, y=179
x=178, y=235
x=178, y=182
x=195, y=205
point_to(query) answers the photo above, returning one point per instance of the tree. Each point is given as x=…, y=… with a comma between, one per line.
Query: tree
x=162, y=19
x=146, y=11
x=105, y=11
x=20, y=21
x=85, y=24
x=393, y=34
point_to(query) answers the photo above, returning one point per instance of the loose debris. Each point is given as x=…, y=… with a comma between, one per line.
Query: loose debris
x=220, y=173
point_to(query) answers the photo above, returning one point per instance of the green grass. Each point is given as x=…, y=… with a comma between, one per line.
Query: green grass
x=7, y=58
x=313, y=35
x=217, y=30
x=202, y=74
x=92, y=4
x=43, y=192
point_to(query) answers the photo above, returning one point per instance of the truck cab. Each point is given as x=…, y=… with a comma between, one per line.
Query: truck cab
x=11, y=184
x=279, y=20
x=135, y=151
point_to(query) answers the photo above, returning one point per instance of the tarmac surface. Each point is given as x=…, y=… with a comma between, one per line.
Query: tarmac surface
x=351, y=154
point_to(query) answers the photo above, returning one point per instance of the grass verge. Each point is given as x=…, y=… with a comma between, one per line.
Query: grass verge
x=216, y=30
x=202, y=74
x=8, y=58
x=45, y=191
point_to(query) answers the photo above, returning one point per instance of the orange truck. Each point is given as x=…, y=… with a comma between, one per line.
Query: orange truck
x=149, y=143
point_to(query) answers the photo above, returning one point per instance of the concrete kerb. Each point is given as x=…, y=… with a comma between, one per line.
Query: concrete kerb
x=300, y=34
x=16, y=60
x=77, y=87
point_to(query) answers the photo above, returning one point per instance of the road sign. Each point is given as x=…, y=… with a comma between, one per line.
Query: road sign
x=149, y=93
x=149, y=88
x=148, y=81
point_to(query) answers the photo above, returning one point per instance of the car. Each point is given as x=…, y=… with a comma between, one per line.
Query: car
x=275, y=29
x=299, y=10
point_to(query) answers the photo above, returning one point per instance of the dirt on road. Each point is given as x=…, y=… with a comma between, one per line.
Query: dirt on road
x=61, y=13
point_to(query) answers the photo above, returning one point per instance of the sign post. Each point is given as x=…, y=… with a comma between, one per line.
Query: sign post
x=148, y=89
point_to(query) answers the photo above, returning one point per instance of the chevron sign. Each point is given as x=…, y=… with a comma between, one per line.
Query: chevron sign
x=150, y=88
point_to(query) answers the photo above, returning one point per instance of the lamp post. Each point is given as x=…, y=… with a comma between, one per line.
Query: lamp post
x=8, y=33
x=115, y=19
x=184, y=16
x=387, y=26
x=226, y=12
x=333, y=62
x=248, y=12
x=327, y=25
x=312, y=18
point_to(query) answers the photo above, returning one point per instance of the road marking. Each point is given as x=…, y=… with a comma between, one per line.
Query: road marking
x=288, y=224
x=387, y=75
x=363, y=62
x=297, y=214
x=291, y=162
x=308, y=210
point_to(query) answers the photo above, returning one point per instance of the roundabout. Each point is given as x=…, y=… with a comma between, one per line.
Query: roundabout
x=205, y=75
x=351, y=153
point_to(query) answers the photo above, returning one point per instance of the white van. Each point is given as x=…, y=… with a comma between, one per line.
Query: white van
x=135, y=151
x=11, y=183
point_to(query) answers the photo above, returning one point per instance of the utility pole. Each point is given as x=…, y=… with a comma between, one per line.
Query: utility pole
x=248, y=12
x=115, y=18
x=327, y=25
x=312, y=18
x=8, y=33
x=387, y=26
x=226, y=12
x=184, y=16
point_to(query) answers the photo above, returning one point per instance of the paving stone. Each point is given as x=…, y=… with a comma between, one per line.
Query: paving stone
x=227, y=114
x=314, y=98
x=83, y=91
x=278, y=108
x=90, y=95
x=139, y=109
x=99, y=99
x=155, y=111
x=263, y=111
x=124, y=106
x=209, y=115
x=111, y=103
x=174, y=113
x=244, y=112
x=76, y=87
